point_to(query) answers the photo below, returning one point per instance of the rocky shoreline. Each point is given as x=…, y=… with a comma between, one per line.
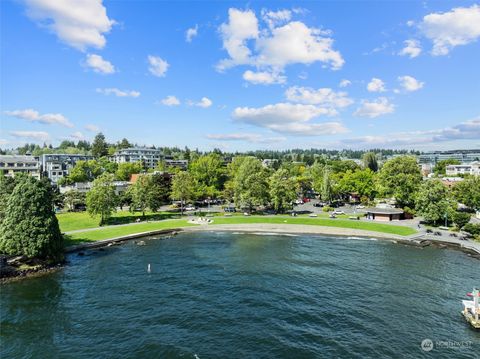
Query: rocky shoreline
x=17, y=268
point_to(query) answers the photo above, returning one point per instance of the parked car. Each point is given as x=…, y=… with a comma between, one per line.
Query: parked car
x=229, y=209
x=360, y=206
x=318, y=204
x=298, y=201
x=190, y=208
x=336, y=212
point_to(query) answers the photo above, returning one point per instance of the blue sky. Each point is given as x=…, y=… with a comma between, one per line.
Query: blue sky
x=240, y=76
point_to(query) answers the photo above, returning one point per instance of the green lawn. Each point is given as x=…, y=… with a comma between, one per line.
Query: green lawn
x=72, y=221
x=117, y=231
x=339, y=223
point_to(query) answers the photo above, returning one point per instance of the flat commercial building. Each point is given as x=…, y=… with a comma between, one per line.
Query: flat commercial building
x=384, y=214
x=58, y=165
x=463, y=156
x=148, y=156
x=11, y=165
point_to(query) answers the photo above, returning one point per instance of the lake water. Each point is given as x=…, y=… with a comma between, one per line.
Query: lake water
x=224, y=295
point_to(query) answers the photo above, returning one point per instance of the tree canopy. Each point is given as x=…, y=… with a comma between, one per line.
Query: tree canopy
x=29, y=226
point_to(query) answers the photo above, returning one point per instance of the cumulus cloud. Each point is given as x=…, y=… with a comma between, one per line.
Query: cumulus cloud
x=32, y=135
x=263, y=77
x=289, y=118
x=325, y=97
x=98, y=64
x=92, y=128
x=34, y=116
x=410, y=83
x=191, y=33
x=282, y=43
x=170, y=101
x=158, y=67
x=345, y=83
x=204, y=102
x=376, y=85
x=380, y=106
x=247, y=137
x=80, y=24
x=117, y=92
x=412, y=48
x=457, y=27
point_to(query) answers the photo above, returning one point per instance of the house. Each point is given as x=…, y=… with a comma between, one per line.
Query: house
x=384, y=214
x=58, y=165
x=148, y=156
x=11, y=165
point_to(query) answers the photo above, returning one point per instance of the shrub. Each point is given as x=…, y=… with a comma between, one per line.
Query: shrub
x=327, y=209
x=461, y=219
x=473, y=229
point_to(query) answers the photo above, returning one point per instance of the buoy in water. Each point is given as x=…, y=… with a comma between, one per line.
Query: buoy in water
x=149, y=269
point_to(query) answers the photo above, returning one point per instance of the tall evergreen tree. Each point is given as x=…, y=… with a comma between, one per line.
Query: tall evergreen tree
x=30, y=226
x=99, y=146
x=370, y=161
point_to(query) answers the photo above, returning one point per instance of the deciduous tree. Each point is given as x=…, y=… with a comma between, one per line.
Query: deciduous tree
x=101, y=199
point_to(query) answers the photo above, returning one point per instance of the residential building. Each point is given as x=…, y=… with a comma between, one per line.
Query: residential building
x=472, y=168
x=183, y=164
x=14, y=164
x=58, y=165
x=148, y=156
x=84, y=187
x=463, y=156
x=269, y=162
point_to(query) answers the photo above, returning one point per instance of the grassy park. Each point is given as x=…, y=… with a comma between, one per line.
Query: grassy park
x=75, y=221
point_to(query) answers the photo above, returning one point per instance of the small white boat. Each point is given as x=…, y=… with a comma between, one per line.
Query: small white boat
x=471, y=309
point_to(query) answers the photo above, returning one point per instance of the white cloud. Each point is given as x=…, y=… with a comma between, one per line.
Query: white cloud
x=289, y=118
x=118, y=93
x=34, y=116
x=4, y=142
x=323, y=96
x=92, y=128
x=191, y=33
x=98, y=64
x=410, y=83
x=204, y=102
x=241, y=26
x=276, y=18
x=158, y=67
x=296, y=43
x=263, y=77
x=77, y=136
x=468, y=130
x=277, y=46
x=80, y=24
x=410, y=23
x=460, y=26
x=345, y=83
x=376, y=85
x=412, y=48
x=375, y=108
x=33, y=135
x=247, y=137
x=170, y=101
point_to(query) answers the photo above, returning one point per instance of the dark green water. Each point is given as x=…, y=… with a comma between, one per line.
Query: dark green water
x=245, y=296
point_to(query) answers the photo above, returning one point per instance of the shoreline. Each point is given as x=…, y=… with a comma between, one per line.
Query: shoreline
x=296, y=229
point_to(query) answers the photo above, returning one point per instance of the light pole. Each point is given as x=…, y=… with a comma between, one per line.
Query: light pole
x=446, y=219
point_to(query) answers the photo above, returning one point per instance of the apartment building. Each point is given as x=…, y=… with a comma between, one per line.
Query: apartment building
x=11, y=165
x=148, y=156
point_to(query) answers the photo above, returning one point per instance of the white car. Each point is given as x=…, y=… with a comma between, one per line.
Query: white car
x=190, y=208
x=360, y=206
x=338, y=212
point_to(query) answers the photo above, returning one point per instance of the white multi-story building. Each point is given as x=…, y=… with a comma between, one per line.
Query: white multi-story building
x=472, y=168
x=59, y=165
x=11, y=165
x=148, y=156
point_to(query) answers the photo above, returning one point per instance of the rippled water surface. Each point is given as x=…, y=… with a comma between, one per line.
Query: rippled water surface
x=222, y=295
